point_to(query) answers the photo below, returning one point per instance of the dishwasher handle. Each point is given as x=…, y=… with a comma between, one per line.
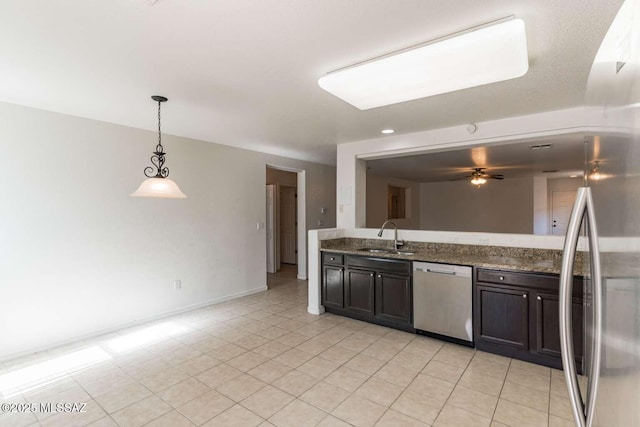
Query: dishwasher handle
x=444, y=269
x=430, y=270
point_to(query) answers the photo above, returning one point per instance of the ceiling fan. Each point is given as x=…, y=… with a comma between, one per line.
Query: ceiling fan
x=479, y=177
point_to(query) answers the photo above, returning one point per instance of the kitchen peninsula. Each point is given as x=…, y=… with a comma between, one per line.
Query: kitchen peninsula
x=514, y=294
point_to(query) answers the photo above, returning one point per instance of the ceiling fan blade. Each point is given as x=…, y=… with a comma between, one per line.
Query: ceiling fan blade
x=462, y=178
x=493, y=176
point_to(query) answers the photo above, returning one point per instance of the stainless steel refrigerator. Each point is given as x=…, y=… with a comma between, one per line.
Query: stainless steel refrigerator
x=606, y=216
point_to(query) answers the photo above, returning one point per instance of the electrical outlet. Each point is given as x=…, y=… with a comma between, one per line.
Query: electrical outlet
x=177, y=284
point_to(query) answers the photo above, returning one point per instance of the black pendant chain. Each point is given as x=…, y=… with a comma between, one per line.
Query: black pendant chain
x=158, y=170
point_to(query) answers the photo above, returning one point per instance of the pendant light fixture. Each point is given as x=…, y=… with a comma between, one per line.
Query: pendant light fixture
x=157, y=184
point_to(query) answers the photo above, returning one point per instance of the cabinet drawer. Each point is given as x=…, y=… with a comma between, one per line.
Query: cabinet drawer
x=518, y=279
x=386, y=265
x=331, y=258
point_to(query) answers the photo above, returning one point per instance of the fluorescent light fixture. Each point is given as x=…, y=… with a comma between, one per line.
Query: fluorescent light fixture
x=388, y=131
x=487, y=54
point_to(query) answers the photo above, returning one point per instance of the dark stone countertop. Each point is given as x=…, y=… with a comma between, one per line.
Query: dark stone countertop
x=494, y=257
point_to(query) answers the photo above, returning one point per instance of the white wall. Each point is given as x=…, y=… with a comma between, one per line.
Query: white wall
x=497, y=207
x=79, y=256
x=377, y=201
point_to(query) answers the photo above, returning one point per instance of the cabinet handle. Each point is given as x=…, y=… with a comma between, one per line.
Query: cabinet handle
x=501, y=277
x=332, y=259
x=524, y=296
x=539, y=298
x=380, y=276
x=371, y=274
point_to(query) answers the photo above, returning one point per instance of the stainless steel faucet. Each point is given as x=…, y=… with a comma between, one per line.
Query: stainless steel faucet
x=397, y=244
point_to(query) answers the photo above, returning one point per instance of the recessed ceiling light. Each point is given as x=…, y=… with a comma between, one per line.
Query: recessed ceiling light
x=388, y=131
x=487, y=54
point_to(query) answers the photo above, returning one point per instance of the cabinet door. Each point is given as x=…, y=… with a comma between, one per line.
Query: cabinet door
x=393, y=297
x=502, y=316
x=547, y=339
x=359, y=291
x=333, y=286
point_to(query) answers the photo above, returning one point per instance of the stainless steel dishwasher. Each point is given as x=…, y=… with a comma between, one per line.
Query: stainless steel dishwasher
x=442, y=301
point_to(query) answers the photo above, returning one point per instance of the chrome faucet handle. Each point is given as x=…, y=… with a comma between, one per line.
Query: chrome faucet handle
x=400, y=243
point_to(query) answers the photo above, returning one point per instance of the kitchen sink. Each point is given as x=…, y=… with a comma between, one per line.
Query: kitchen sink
x=384, y=251
x=376, y=250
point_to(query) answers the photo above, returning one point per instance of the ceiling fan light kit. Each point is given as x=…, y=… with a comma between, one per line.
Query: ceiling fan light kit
x=490, y=53
x=157, y=184
x=479, y=177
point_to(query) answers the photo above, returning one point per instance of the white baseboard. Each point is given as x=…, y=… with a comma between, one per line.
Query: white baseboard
x=302, y=277
x=136, y=322
x=315, y=310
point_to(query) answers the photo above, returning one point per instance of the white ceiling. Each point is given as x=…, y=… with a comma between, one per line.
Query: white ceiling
x=244, y=72
x=513, y=160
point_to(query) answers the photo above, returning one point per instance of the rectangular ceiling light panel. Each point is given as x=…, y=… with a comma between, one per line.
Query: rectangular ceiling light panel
x=478, y=57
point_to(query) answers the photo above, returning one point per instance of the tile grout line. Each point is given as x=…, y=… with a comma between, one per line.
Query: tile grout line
x=501, y=388
x=455, y=385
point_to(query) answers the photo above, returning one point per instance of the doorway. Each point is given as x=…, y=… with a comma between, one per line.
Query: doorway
x=285, y=225
x=561, y=205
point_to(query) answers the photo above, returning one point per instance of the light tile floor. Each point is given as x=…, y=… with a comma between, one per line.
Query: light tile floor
x=262, y=360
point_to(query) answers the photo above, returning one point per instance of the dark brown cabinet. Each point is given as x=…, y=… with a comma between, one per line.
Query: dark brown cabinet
x=376, y=290
x=547, y=339
x=333, y=286
x=516, y=315
x=359, y=290
x=504, y=316
x=393, y=297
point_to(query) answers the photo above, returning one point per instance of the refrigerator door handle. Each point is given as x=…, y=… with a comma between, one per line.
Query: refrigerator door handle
x=566, y=284
x=582, y=413
x=596, y=280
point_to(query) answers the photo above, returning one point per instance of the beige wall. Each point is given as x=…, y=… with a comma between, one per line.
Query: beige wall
x=498, y=207
x=280, y=177
x=79, y=256
x=377, y=200
x=563, y=184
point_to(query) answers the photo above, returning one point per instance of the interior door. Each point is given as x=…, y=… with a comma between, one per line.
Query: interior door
x=561, y=205
x=288, y=235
